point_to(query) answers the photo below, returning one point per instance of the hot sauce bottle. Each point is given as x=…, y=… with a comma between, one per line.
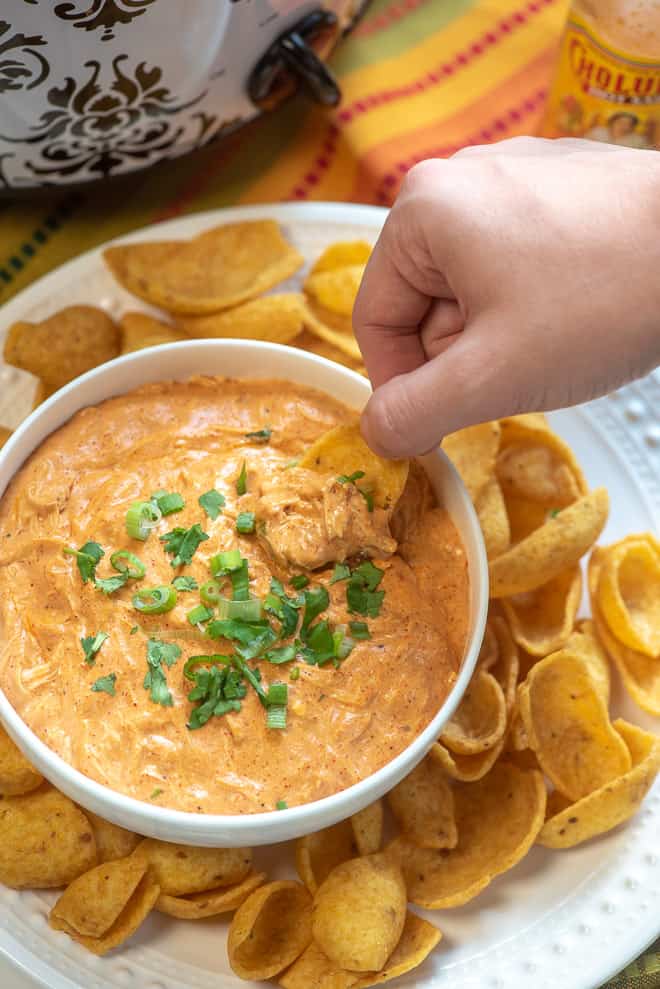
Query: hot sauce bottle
x=607, y=83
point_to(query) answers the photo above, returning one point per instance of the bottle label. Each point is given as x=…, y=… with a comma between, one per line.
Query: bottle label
x=601, y=93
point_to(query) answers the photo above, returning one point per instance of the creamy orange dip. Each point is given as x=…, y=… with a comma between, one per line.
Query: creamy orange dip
x=344, y=720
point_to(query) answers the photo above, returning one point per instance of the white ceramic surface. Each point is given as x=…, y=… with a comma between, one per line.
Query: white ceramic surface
x=241, y=359
x=569, y=919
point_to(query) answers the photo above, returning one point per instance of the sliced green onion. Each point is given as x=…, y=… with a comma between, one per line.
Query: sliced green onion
x=281, y=805
x=276, y=716
x=245, y=523
x=241, y=480
x=199, y=614
x=295, y=673
x=246, y=611
x=225, y=563
x=185, y=583
x=168, y=501
x=343, y=645
x=155, y=600
x=278, y=693
x=359, y=630
x=141, y=518
x=299, y=581
x=283, y=654
x=194, y=661
x=133, y=568
x=209, y=592
x=240, y=582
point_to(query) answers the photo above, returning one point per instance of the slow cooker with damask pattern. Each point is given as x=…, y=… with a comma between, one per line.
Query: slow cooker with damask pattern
x=92, y=89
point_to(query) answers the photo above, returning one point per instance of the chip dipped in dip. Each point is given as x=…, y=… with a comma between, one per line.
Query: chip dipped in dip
x=189, y=616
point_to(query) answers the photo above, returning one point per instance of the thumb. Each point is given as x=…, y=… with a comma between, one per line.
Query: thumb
x=466, y=384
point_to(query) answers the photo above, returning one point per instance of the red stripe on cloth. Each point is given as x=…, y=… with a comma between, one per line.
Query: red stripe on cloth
x=395, y=12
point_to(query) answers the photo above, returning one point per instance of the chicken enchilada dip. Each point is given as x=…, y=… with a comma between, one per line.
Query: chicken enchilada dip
x=199, y=608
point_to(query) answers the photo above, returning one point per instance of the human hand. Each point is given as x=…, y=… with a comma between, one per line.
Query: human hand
x=523, y=276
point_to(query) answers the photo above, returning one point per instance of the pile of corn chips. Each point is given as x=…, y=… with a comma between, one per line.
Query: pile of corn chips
x=531, y=754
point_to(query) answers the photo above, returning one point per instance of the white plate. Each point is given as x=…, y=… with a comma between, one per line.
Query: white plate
x=568, y=919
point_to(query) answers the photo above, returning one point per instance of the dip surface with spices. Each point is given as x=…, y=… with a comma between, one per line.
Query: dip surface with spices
x=189, y=617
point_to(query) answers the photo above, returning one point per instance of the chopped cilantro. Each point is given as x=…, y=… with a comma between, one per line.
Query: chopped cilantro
x=241, y=480
x=105, y=684
x=299, y=581
x=156, y=793
x=109, y=585
x=351, y=478
x=212, y=502
x=320, y=641
x=91, y=645
x=253, y=637
x=168, y=502
x=359, y=630
x=87, y=558
x=183, y=543
x=283, y=654
x=341, y=572
x=284, y=608
x=316, y=601
x=155, y=681
x=185, y=584
x=217, y=691
x=136, y=628
x=260, y=435
x=281, y=805
x=361, y=594
x=245, y=523
x=554, y=513
x=368, y=497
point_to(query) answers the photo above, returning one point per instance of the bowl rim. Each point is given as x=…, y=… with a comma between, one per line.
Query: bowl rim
x=118, y=806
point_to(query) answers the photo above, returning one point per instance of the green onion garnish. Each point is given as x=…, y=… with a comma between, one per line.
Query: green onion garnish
x=133, y=568
x=155, y=600
x=278, y=693
x=246, y=611
x=193, y=662
x=299, y=581
x=276, y=716
x=343, y=645
x=225, y=563
x=134, y=630
x=105, y=684
x=240, y=582
x=168, y=502
x=200, y=614
x=210, y=592
x=260, y=435
x=185, y=583
x=241, y=480
x=281, y=805
x=87, y=559
x=183, y=543
x=295, y=673
x=283, y=654
x=351, y=478
x=212, y=502
x=141, y=518
x=245, y=523
x=156, y=793
x=359, y=630
x=91, y=645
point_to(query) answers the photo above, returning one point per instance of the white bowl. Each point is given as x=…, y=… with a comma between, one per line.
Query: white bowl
x=246, y=359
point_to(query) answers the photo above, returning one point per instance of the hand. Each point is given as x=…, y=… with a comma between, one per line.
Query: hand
x=523, y=276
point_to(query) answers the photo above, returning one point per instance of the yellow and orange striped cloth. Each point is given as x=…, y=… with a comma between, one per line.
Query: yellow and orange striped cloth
x=420, y=78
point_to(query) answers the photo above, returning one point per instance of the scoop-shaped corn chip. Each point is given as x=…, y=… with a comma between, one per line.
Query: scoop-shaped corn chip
x=94, y=901
x=319, y=853
x=4, y=435
x=337, y=288
x=517, y=739
x=314, y=970
x=423, y=805
x=196, y=906
x=65, y=345
x=466, y=768
x=334, y=329
x=220, y=268
x=416, y=500
x=182, y=869
x=489, y=651
x=417, y=941
x=542, y=620
x=41, y=393
x=551, y=549
x=359, y=913
x=640, y=673
x=139, y=331
x=112, y=842
x=45, y=841
x=507, y=667
x=367, y=827
x=274, y=318
x=534, y=463
x=479, y=721
x=343, y=253
x=315, y=345
x=473, y=452
x=498, y=819
x=568, y=726
x=525, y=516
x=585, y=642
x=17, y=775
x=611, y=804
x=493, y=519
x=629, y=592
x=343, y=452
x=270, y=930
x=131, y=917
